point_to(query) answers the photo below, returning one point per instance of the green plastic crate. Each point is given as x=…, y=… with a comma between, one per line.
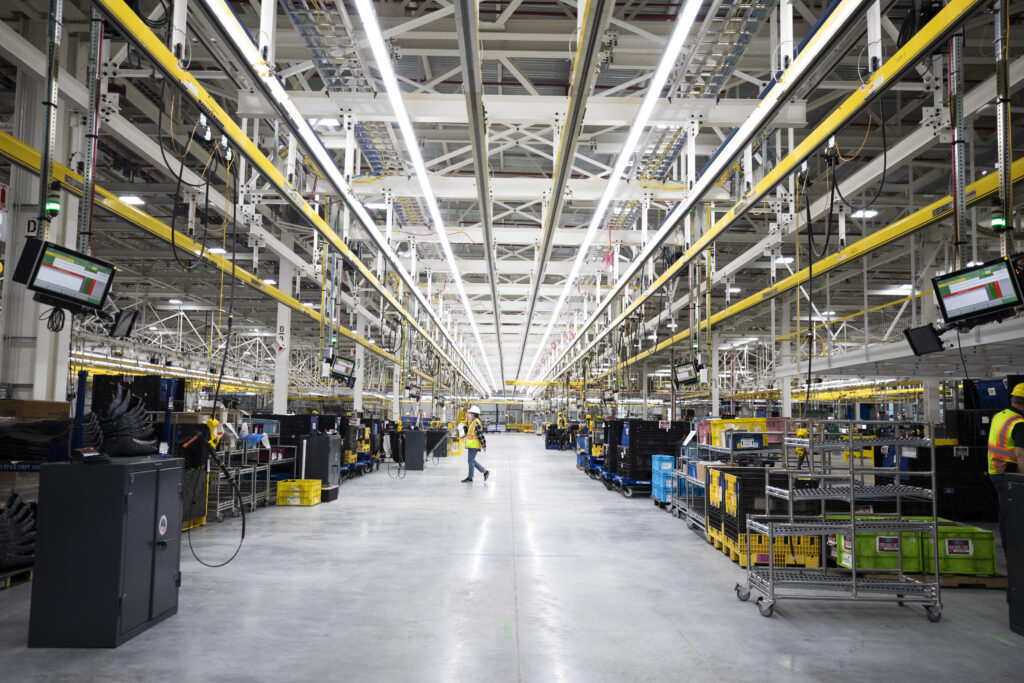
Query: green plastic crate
x=881, y=551
x=962, y=550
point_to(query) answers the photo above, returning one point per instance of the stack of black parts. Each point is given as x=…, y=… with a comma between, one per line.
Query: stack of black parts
x=612, y=436
x=294, y=426
x=645, y=439
x=17, y=535
x=127, y=427
x=750, y=498
x=965, y=493
x=46, y=440
x=553, y=437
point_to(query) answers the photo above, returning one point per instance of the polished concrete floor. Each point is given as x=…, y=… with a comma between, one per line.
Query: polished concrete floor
x=538, y=575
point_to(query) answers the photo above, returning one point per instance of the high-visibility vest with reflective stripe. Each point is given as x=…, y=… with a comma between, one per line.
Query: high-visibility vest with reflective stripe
x=1000, y=441
x=473, y=435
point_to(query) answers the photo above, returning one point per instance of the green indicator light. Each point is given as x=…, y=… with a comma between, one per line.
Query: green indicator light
x=696, y=345
x=997, y=221
x=53, y=206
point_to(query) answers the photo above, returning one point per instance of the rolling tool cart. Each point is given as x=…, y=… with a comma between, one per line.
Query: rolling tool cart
x=810, y=475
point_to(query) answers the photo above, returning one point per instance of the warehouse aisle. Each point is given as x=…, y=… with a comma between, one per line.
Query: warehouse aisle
x=538, y=575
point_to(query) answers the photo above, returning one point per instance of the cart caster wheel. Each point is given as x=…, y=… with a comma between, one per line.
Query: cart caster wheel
x=742, y=592
x=899, y=599
x=674, y=513
x=690, y=524
x=765, y=607
x=934, y=612
x=627, y=491
x=657, y=504
x=607, y=485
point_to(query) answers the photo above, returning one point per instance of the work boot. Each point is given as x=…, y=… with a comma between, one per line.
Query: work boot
x=469, y=479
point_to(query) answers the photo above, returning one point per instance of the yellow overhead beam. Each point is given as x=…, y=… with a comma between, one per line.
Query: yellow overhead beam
x=980, y=189
x=136, y=30
x=29, y=158
x=941, y=24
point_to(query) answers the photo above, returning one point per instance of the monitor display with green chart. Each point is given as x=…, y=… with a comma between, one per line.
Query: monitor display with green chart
x=977, y=291
x=63, y=275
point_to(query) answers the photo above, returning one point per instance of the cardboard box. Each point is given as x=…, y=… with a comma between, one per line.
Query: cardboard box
x=25, y=484
x=35, y=410
x=189, y=418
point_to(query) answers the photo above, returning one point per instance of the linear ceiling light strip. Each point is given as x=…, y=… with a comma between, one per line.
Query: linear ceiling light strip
x=133, y=28
x=382, y=56
x=29, y=158
x=938, y=210
x=596, y=15
x=238, y=38
x=467, y=23
x=684, y=23
x=943, y=22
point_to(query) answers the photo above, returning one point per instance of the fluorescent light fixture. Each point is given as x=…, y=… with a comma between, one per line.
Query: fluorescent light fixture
x=221, y=12
x=735, y=290
x=784, y=260
x=217, y=250
x=828, y=313
x=684, y=22
x=781, y=91
x=652, y=335
x=381, y=55
x=327, y=122
x=152, y=328
x=174, y=301
x=672, y=325
x=376, y=205
x=269, y=281
x=864, y=213
x=310, y=304
x=132, y=199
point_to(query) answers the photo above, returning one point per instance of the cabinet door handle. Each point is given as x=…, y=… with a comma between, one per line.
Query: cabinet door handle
x=162, y=544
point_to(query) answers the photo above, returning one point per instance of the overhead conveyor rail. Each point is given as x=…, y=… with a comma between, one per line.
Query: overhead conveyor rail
x=121, y=15
x=934, y=31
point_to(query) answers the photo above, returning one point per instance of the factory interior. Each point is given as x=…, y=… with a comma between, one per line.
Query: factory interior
x=511, y=340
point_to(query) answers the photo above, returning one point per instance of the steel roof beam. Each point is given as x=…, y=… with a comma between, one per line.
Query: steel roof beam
x=834, y=27
x=595, y=19
x=526, y=110
x=134, y=29
x=467, y=23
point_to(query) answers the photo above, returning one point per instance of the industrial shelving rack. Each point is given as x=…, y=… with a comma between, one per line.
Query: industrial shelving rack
x=811, y=460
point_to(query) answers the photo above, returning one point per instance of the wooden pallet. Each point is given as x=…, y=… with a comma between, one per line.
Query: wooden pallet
x=955, y=580
x=15, y=578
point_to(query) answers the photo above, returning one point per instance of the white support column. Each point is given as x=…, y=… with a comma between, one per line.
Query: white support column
x=930, y=401
x=713, y=376
x=33, y=360
x=786, y=388
x=268, y=30
x=350, y=153
x=785, y=33
x=643, y=378
x=179, y=41
x=360, y=364
x=874, y=19
x=283, y=340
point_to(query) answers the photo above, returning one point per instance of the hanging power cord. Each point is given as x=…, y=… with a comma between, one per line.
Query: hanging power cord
x=216, y=396
x=885, y=166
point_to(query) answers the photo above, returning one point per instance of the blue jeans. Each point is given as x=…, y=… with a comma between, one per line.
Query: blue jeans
x=471, y=453
x=1002, y=488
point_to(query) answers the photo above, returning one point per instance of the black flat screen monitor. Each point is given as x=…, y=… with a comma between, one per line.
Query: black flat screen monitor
x=351, y=382
x=685, y=373
x=414, y=392
x=62, y=275
x=923, y=340
x=342, y=368
x=608, y=396
x=124, y=324
x=977, y=291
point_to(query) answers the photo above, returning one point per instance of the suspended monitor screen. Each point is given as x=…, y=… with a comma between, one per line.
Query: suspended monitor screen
x=608, y=396
x=341, y=367
x=923, y=340
x=414, y=392
x=685, y=373
x=124, y=323
x=977, y=291
x=351, y=382
x=65, y=276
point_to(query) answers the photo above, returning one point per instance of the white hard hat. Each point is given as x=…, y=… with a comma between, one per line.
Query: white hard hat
x=475, y=410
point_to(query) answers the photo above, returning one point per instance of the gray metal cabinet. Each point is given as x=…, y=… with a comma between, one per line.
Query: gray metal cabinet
x=108, y=551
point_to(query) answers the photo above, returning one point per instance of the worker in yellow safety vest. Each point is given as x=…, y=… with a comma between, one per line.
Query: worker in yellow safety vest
x=475, y=441
x=562, y=422
x=1005, y=450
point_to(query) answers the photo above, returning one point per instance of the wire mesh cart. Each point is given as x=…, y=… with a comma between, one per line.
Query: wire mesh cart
x=812, y=476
